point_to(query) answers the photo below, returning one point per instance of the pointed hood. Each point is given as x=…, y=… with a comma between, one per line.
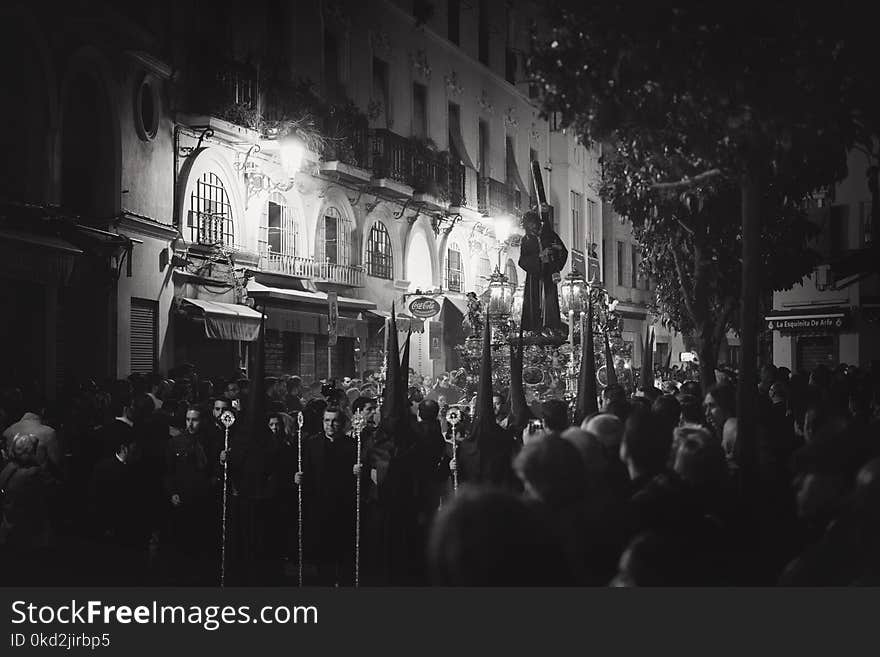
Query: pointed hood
x=610, y=372
x=392, y=392
x=484, y=427
x=404, y=363
x=586, y=399
x=519, y=413
x=645, y=378
x=255, y=412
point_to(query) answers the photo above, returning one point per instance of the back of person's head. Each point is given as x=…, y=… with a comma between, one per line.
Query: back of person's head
x=552, y=470
x=653, y=560
x=667, y=410
x=700, y=459
x=645, y=445
x=619, y=408
x=691, y=409
x=554, y=412
x=591, y=450
x=294, y=384
x=487, y=537
x=692, y=388
x=429, y=410
x=24, y=449
x=607, y=428
x=121, y=397
x=142, y=407
x=614, y=392
x=651, y=393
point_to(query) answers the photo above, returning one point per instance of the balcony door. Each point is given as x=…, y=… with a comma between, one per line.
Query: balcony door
x=280, y=234
x=334, y=238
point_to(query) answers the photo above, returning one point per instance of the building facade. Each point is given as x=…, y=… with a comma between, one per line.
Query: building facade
x=155, y=210
x=831, y=318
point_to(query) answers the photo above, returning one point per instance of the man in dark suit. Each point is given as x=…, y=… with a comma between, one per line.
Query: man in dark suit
x=330, y=465
x=114, y=496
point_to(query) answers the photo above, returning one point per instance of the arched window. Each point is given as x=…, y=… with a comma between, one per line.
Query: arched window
x=379, y=261
x=510, y=272
x=210, y=212
x=280, y=230
x=280, y=238
x=334, y=238
x=454, y=277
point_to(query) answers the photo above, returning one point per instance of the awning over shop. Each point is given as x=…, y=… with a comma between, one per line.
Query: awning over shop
x=44, y=259
x=258, y=290
x=296, y=321
x=404, y=321
x=227, y=321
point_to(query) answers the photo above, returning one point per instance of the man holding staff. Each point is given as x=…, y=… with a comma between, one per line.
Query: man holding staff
x=330, y=461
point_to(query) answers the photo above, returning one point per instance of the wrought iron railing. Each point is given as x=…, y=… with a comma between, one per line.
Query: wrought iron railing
x=345, y=275
x=210, y=229
x=290, y=265
x=483, y=196
x=501, y=197
x=348, y=141
x=392, y=156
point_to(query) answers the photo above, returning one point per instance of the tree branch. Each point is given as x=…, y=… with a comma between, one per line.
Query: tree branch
x=684, y=284
x=723, y=319
x=687, y=181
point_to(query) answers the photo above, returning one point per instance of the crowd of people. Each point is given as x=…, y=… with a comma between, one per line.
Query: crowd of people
x=124, y=484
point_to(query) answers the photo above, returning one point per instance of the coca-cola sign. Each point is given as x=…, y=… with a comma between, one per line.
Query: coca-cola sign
x=424, y=307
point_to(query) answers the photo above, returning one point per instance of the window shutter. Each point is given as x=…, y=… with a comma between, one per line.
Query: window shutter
x=144, y=336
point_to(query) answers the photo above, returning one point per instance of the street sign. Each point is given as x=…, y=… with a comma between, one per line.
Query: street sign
x=424, y=307
x=831, y=322
x=333, y=318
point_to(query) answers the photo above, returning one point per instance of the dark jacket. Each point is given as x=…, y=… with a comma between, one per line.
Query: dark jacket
x=26, y=491
x=186, y=469
x=329, y=496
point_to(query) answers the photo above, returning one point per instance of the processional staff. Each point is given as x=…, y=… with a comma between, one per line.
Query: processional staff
x=300, y=420
x=228, y=419
x=453, y=417
x=358, y=422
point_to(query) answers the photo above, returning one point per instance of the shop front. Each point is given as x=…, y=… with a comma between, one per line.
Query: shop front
x=804, y=339
x=298, y=339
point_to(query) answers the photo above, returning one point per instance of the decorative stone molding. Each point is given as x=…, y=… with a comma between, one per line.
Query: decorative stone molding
x=484, y=103
x=510, y=119
x=419, y=62
x=535, y=134
x=453, y=85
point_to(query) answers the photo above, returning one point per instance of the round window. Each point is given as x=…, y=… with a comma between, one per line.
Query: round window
x=146, y=109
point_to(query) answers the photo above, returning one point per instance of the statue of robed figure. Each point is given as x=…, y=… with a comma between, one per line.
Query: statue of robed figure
x=542, y=256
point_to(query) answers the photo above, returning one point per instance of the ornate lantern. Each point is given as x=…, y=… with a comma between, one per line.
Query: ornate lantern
x=573, y=294
x=499, y=295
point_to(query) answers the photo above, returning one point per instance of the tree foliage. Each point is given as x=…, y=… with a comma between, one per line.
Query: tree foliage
x=692, y=101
